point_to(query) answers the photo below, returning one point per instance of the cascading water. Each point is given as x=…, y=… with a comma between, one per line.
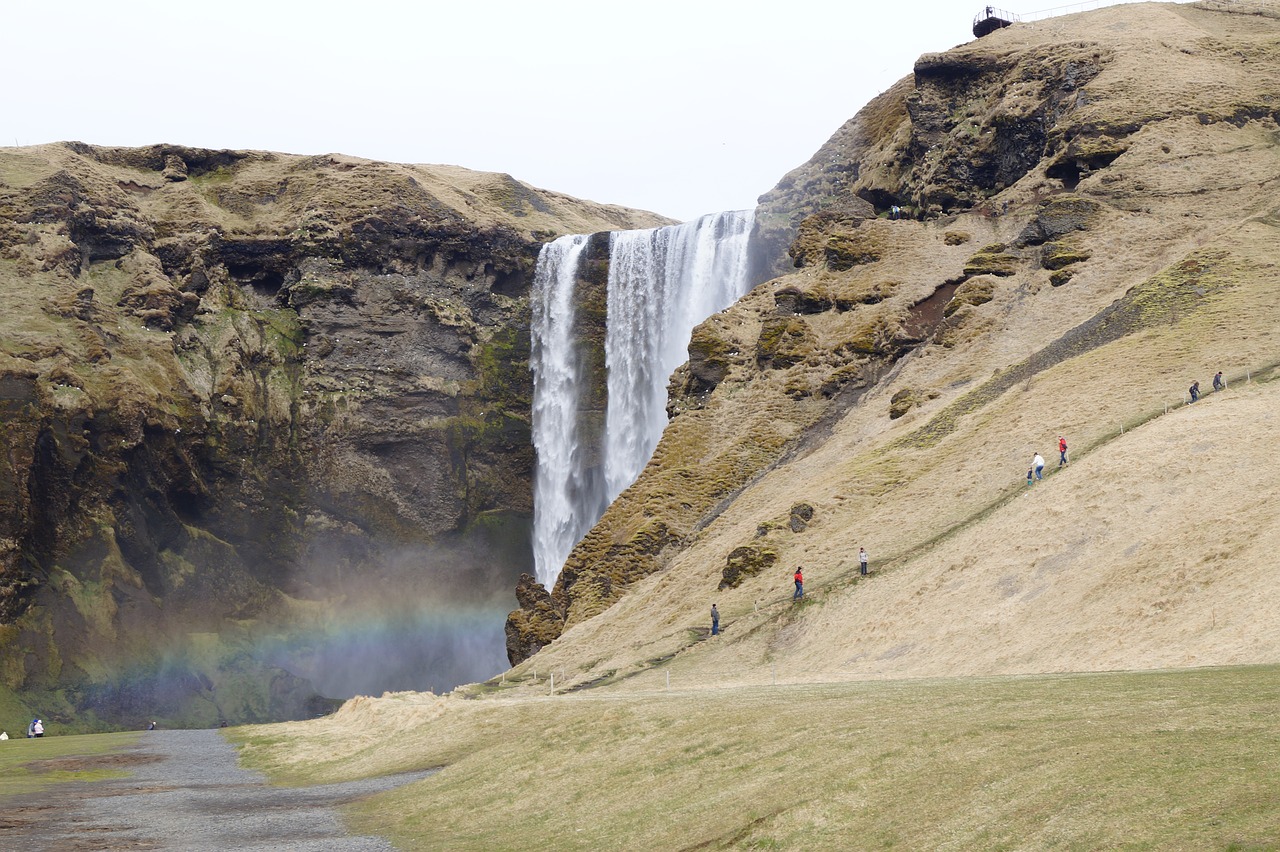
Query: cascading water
x=662, y=282
x=562, y=483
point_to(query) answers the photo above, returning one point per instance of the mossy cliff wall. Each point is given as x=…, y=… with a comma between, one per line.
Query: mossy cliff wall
x=237, y=389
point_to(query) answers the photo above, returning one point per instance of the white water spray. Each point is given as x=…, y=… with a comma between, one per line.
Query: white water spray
x=662, y=282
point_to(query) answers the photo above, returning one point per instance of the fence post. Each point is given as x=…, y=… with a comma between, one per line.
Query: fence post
x=668, y=678
x=553, y=681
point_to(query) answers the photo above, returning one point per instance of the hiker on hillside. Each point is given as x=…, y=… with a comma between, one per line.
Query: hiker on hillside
x=1037, y=464
x=1029, y=474
x=37, y=728
x=1194, y=390
x=799, y=584
x=1062, y=451
x=715, y=621
x=862, y=561
x=1218, y=383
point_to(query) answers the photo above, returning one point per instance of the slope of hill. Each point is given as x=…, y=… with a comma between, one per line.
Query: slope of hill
x=260, y=412
x=1092, y=227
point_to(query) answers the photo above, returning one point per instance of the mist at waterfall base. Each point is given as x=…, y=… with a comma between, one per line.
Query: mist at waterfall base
x=369, y=650
x=661, y=283
x=421, y=619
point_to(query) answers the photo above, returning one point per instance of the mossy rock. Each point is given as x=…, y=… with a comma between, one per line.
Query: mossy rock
x=835, y=242
x=956, y=238
x=1056, y=255
x=708, y=365
x=866, y=294
x=950, y=331
x=1057, y=217
x=906, y=399
x=845, y=251
x=992, y=260
x=797, y=300
x=537, y=623
x=903, y=401
x=783, y=342
x=975, y=291
x=847, y=374
x=744, y=562
x=1062, y=276
x=800, y=516
x=1086, y=152
x=879, y=335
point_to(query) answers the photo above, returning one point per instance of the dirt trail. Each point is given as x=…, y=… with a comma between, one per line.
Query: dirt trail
x=186, y=792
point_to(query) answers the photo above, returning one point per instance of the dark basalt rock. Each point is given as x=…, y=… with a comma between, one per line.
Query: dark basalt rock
x=535, y=624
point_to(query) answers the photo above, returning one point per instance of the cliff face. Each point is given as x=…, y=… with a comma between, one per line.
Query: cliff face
x=1084, y=220
x=250, y=399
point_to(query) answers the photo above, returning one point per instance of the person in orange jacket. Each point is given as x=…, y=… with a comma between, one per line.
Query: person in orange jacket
x=799, y=584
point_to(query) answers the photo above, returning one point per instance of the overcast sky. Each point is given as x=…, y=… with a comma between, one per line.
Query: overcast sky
x=682, y=107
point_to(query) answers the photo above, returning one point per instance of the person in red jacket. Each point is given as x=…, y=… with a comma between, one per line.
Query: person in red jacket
x=1062, y=451
x=799, y=584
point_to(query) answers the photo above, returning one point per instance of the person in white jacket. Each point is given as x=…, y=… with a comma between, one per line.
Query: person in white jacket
x=1037, y=464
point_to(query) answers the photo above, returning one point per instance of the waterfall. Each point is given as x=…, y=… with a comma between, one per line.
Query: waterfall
x=662, y=282
x=563, y=485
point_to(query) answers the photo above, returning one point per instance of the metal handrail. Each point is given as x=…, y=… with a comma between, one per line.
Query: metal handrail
x=992, y=12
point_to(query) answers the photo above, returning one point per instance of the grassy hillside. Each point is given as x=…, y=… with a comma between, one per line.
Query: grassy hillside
x=1154, y=548
x=1153, y=760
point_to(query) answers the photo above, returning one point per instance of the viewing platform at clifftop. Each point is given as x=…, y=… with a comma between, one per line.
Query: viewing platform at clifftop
x=991, y=19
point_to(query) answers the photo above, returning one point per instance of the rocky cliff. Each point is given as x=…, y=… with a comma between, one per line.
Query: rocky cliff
x=1049, y=230
x=252, y=401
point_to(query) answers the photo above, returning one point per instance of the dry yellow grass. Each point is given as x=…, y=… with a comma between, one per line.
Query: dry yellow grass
x=1142, y=761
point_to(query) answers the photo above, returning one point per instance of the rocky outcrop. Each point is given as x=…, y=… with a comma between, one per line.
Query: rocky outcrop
x=245, y=396
x=966, y=125
x=537, y=622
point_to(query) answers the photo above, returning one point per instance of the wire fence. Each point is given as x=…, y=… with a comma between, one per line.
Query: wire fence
x=559, y=681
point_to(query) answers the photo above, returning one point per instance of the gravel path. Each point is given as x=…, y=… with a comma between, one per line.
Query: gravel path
x=186, y=792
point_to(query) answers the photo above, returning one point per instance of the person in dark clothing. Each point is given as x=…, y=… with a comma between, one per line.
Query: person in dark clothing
x=862, y=561
x=799, y=584
x=1218, y=383
x=715, y=621
x=1194, y=390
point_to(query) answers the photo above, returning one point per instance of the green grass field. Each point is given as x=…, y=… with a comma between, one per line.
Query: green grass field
x=32, y=765
x=1162, y=760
